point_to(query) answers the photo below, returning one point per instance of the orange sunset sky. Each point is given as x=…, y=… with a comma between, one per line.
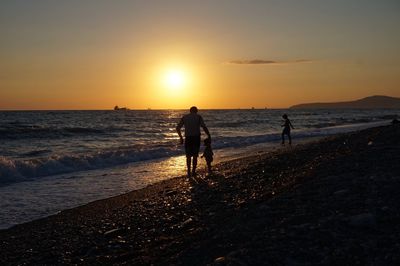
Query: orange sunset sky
x=95, y=54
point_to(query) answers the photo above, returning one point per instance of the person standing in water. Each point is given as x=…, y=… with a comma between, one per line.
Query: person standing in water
x=192, y=123
x=286, y=129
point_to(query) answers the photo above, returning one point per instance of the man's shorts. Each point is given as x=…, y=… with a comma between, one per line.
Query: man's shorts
x=192, y=145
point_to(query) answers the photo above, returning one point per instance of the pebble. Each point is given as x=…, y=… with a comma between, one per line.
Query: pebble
x=340, y=192
x=362, y=220
x=186, y=222
x=219, y=259
x=113, y=232
x=170, y=193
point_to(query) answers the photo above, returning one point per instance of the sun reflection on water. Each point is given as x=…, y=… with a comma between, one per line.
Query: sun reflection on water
x=155, y=172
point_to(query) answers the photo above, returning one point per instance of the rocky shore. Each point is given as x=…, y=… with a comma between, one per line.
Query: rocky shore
x=332, y=202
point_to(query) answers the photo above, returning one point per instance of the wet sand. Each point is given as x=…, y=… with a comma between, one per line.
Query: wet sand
x=331, y=202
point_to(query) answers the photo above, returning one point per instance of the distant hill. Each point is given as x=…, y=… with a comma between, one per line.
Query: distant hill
x=371, y=102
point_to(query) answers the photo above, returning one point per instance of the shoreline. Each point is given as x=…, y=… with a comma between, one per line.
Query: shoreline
x=258, y=209
x=137, y=171
x=227, y=155
x=64, y=191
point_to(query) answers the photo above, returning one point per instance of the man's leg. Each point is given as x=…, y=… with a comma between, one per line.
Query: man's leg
x=194, y=165
x=290, y=139
x=283, y=138
x=209, y=167
x=188, y=162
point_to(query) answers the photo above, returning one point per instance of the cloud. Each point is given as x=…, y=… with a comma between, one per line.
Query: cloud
x=266, y=62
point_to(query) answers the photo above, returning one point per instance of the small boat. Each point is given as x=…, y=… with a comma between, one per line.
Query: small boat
x=116, y=108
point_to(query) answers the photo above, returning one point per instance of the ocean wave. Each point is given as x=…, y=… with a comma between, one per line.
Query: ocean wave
x=25, y=131
x=340, y=122
x=324, y=124
x=240, y=123
x=36, y=152
x=16, y=170
x=388, y=117
x=233, y=124
x=326, y=130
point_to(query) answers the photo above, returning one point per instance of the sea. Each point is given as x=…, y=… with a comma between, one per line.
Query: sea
x=54, y=160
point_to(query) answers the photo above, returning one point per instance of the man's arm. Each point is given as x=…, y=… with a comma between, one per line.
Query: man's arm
x=203, y=125
x=178, y=130
x=206, y=131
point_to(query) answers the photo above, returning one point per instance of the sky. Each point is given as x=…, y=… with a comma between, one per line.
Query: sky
x=95, y=54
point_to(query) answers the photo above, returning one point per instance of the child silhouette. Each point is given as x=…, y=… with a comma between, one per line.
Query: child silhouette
x=286, y=129
x=208, y=154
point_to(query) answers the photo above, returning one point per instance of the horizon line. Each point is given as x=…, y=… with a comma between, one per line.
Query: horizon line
x=143, y=109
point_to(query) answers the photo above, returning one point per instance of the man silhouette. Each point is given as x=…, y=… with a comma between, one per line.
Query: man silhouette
x=192, y=123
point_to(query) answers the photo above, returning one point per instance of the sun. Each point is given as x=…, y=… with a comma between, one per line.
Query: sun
x=174, y=79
